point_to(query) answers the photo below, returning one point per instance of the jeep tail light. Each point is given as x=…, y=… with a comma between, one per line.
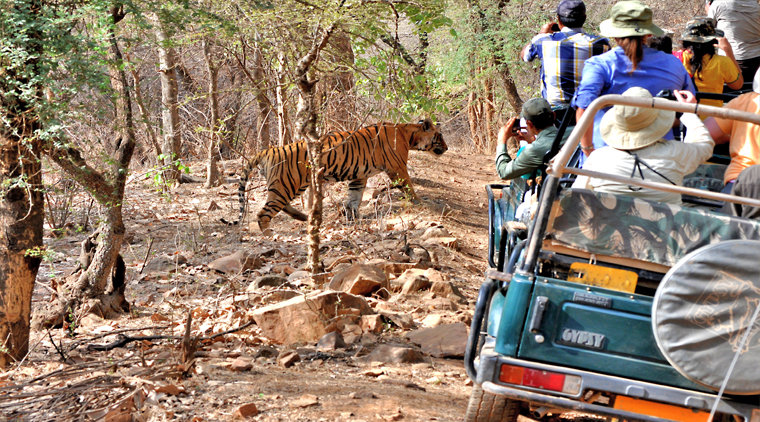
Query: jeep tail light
x=545, y=380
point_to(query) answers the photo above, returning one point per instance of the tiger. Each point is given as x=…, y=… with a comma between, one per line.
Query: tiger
x=346, y=156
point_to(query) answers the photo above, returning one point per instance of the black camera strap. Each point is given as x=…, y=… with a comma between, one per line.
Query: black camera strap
x=637, y=162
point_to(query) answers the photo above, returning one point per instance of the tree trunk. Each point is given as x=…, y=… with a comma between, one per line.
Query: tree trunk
x=21, y=203
x=212, y=169
x=265, y=107
x=334, y=89
x=144, y=115
x=169, y=104
x=98, y=286
x=306, y=123
x=488, y=114
x=473, y=115
x=283, y=119
x=482, y=26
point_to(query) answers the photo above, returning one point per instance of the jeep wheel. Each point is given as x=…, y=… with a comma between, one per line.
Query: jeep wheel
x=486, y=407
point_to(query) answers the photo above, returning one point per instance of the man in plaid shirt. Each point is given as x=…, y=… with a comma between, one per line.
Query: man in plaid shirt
x=563, y=47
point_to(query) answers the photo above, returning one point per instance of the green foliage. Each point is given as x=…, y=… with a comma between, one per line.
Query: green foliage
x=40, y=252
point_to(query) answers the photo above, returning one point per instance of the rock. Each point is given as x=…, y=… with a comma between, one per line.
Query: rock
x=428, y=296
x=236, y=263
x=267, y=280
x=305, y=401
x=404, y=321
x=448, y=290
x=395, y=268
x=446, y=242
x=351, y=338
x=419, y=255
x=372, y=323
x=267, y=352
x=360, y=279
x=393, y=354
x=241, y=364
x=165, y=263
x=331, y=341
x=286, y=359
x=432, y=320
x=443, y=341
x=368, y=339
x=298, y=275
x=433, y=275
x=414, y=284
x=442, y=303
x=280, y=295
x=283, y=269
x=362, y=395
x=246, y=411
x=352, y=329
x=437, y=231
x=373, y=372
x=307, y=318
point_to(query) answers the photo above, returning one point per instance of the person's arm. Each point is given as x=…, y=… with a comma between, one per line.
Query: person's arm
x=506, y=167
x=592, y=82
x=587, y=139
x=698, y=145
x=530, y=51
x=716, y=132
x=724, y=45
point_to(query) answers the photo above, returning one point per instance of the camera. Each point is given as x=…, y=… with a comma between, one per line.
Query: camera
x=555, y=27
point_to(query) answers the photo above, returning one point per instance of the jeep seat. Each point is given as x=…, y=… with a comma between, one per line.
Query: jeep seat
x=634, y=232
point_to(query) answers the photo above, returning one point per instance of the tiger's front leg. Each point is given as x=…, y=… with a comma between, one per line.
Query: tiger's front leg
x=401, y=180
x=355, y=194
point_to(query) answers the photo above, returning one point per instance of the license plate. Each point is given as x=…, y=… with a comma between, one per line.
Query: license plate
x=660, y=410
x=609, y=278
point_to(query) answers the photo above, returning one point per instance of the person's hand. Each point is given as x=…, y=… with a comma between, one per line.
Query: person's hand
x=685, y=97
x=547, y=28
x=510, y=136
x=724, y=45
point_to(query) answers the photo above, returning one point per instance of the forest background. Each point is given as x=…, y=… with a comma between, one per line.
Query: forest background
x=93, y=91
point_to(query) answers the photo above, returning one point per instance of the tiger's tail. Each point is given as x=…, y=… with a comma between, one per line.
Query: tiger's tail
x=242, y=183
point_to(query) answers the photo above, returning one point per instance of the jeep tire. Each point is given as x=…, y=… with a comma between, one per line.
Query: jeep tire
x=487, y=407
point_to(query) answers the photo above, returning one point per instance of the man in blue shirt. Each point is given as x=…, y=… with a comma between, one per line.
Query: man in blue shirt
x=563, y=47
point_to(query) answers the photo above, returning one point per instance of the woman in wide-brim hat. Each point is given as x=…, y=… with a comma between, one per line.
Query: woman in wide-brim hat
x=630, y=64
x=709, y=70
x=636, y=148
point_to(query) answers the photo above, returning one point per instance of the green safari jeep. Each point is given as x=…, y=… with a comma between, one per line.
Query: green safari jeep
x=616, y=306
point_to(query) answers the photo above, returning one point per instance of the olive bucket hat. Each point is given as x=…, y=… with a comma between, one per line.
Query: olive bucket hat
x=701, y=30
x=630, y=19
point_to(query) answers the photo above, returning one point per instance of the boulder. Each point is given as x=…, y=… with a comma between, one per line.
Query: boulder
x=246, y=411
x=437, y=231
x=306, y=318
x=372, y=323
x=448, y=290
x=446, y=242
x=394, y=354
x=288, y=358
x=165, y=263
x=403, y=321
x=331, y=341
x=360, y=279
x=433, y=275
x=443, y=341
x=442, y=303
x=395, y=268
x=267, y=280
x=414, y=284
x=236, y=263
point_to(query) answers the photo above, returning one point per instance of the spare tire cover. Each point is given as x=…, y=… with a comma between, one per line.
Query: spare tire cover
x=701, y=311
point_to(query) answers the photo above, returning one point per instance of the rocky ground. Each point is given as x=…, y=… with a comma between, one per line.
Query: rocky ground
x=379, y=336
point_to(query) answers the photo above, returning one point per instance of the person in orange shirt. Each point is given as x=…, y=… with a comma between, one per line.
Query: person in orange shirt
x=709, y=70
x=743, y=137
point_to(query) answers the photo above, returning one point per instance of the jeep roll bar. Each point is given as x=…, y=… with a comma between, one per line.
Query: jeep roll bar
x=559, y=167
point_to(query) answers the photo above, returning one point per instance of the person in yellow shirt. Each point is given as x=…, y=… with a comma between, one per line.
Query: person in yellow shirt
x=709, y=70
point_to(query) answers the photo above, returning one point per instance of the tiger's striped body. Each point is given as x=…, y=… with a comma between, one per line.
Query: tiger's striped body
x=346, y=156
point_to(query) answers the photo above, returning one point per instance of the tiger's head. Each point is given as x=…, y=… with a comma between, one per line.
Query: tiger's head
x=429, y=138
